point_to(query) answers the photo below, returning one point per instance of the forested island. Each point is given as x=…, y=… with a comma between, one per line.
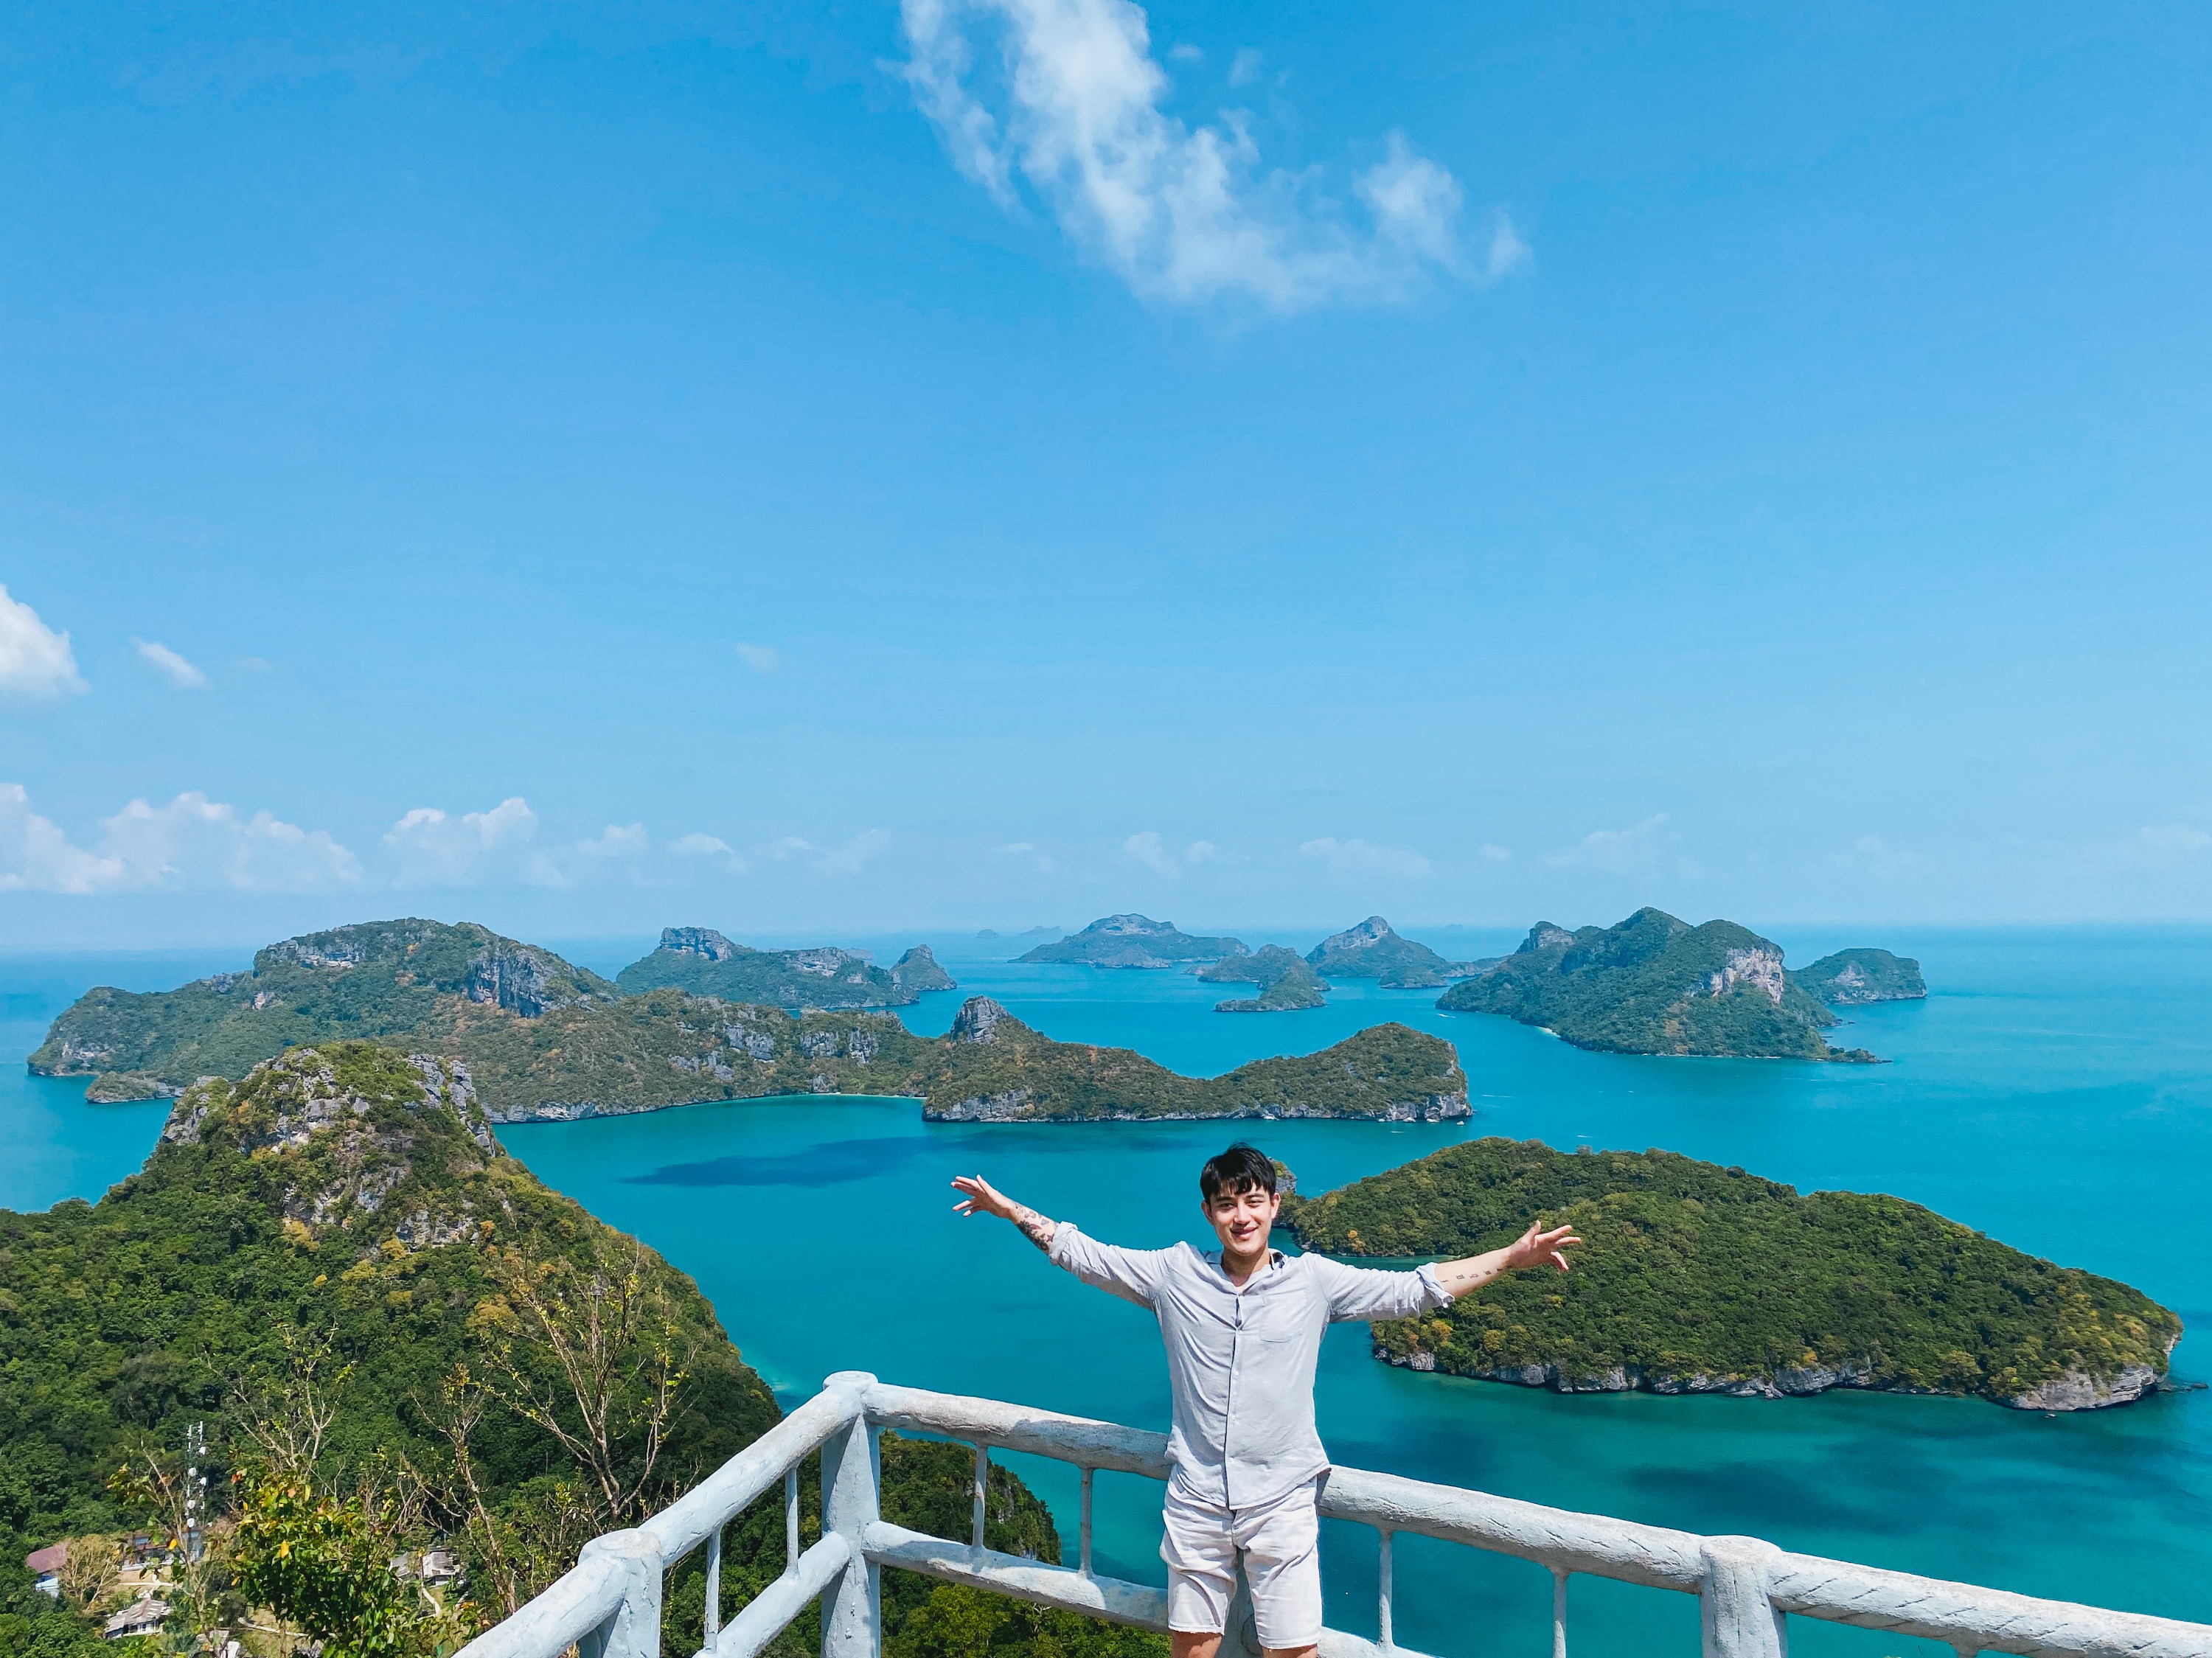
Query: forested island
x=542, y=1039
x=1133, y=941
x=1851, y=978
x=701, y=961
x=1696, y=1279
x=1657, y=985
x=378, y=1317
x=1287, y=982
x=1373, y=950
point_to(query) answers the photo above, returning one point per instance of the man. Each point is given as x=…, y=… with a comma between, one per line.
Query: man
x=1243, y=1329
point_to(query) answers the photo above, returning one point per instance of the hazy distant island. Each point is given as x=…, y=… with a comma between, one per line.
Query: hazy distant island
x=1656, y=985
x=701, y=961
x=1696, y=1279
x=1287, y=982
x=1134, y=941
x=1850, y=978
x=1373, y=951
x=542, y=1039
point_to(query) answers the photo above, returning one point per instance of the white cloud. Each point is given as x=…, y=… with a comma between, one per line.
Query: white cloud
x=708, y=846
x=191, y=842
x=35, y=661
x=847, y=860
x=1183, y=52
x=760, y=659
x=1151, y=849
x=1357, y=856
x=172, y=666
x=617, y=841
x=1148, y=849
x=477, y=848
x=1244, y=68
x=1493, y=855
x=1186, y=214
x=1613, y=849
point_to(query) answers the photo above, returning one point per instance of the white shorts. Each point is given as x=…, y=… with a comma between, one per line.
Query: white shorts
x=1281, y=1546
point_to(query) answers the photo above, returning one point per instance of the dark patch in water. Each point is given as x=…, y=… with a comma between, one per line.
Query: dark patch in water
x=833, y=1162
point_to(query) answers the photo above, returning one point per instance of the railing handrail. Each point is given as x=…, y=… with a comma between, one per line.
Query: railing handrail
x=1746, y=1585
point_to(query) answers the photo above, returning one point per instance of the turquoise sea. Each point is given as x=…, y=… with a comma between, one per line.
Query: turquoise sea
x=2055, y=1090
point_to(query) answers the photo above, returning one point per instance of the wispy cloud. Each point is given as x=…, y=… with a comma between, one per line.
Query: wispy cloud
x=170, y=666
x=1614, y=849
x=846, y=859
x=709, y=848
x=1357, y=856
x=760, y=659
x=2173, y=840
x=1495, y=855
x=477, y=848
x=1150, y=848
x=617, y=841
x=35, y=660
x=191, y=842
x=1031, y=853
x=1186, y=215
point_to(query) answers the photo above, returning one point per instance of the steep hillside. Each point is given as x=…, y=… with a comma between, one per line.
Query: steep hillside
x=1287, y=982
x=353, y=1199
x=701, y=961
x=1850, y=978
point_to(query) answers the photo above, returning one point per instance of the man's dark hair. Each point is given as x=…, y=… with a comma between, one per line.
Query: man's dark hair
x=1242, y=1167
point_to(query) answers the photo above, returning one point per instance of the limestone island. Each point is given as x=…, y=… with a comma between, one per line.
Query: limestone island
x=1373, y=951
x=1135, y=941
x=1851, y=978
x=542, y=1040
x=350, y=1202
x=1656, y=985
x=1696, y=1279
x=701, y=961
x=1287, y=982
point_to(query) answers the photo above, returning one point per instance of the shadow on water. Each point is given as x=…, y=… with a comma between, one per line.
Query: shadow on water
x=833, y=1162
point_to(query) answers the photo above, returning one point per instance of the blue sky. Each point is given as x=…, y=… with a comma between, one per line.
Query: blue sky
x=1003, y=461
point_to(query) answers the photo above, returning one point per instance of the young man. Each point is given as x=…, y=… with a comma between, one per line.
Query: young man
x=1243, y=1327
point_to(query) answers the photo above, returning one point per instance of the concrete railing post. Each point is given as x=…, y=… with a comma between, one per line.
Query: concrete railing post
x=633, y=1631
x=1735, y=1601
x=852, y=1607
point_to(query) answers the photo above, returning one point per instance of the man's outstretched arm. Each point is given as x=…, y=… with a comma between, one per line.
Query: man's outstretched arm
x=1132, y=1274
x=979, y=1197
x=1531, y=1249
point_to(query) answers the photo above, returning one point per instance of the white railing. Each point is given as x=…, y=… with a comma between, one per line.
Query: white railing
x=609, y=1605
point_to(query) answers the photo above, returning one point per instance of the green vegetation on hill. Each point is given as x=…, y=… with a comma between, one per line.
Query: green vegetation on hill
x=585, y=1053
x=374, y=980
x=1851, y=977
x=1373, y=951
x=701, y=961
x=1286, y=982
x=1656, y=985
x=349, y=1202
x=918, y=971
x=1692, y=1277
x=994, y=1068
x=1136, y=941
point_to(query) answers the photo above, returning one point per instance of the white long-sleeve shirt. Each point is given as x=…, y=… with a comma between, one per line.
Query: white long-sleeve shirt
x=1241, y=1362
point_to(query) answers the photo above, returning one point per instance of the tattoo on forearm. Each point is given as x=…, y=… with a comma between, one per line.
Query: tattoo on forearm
x=1034, y=1227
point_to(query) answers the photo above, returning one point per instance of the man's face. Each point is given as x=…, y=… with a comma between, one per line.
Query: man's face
x=1242, y=1219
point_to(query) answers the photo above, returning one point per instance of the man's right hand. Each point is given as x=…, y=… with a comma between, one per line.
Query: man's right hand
x=979, y=1197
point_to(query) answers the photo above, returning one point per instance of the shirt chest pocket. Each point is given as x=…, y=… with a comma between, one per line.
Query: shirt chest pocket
x=1275, y=1321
